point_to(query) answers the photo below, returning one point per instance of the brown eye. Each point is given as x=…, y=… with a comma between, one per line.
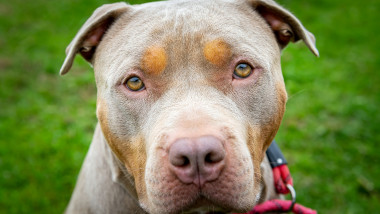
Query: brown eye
x=242, y=70
x=134, y=84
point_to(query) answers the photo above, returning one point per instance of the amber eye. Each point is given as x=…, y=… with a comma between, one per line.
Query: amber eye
x=242, y=70
x=134, y=84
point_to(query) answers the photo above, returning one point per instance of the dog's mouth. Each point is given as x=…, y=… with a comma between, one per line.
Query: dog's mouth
x=211, y=200
x=202, y=205
x=208, y=173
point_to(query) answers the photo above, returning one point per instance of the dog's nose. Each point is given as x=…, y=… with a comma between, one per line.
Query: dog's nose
x=197, y=160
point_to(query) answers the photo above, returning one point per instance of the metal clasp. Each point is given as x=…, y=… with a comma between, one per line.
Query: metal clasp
x=293, y=194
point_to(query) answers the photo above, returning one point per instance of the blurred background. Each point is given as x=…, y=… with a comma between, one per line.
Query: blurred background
x=330, y=132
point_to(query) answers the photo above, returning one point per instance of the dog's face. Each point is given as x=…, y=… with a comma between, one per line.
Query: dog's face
x=190, y=95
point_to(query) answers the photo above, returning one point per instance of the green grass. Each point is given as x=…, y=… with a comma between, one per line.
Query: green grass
x=329, y=134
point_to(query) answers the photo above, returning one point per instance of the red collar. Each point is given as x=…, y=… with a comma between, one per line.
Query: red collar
x=284, y=185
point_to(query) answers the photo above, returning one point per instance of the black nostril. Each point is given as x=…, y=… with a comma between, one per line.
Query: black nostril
x=208, y=158
x=214, y=157
x=180, y=160
x=185, y=162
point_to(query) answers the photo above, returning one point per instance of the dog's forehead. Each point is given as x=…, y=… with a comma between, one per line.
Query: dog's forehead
x=159, y=34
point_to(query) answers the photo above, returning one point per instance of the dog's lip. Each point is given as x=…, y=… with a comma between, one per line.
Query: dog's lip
x=202, y=203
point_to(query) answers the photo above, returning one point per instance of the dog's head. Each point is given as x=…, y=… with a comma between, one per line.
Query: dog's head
x=190, y=95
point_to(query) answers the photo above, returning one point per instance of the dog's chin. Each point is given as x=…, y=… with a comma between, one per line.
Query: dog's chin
x=207, y=206
x=203, y=205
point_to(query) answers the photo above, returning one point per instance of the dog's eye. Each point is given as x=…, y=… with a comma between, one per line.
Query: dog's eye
x=134, y=84
x=242, y=70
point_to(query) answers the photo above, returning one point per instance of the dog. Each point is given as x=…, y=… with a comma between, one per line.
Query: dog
x=190, y=94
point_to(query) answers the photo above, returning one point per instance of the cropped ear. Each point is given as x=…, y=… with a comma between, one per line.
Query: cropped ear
x=284, y=24
x=91, y=33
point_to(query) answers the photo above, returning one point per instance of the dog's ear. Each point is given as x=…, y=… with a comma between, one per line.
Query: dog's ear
x=91, y=33
x=286, y=27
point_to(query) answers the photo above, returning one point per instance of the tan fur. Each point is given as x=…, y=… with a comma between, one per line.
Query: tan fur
x=130, y=151
x=154, y=60
x=217, y=52
x=185, y=52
